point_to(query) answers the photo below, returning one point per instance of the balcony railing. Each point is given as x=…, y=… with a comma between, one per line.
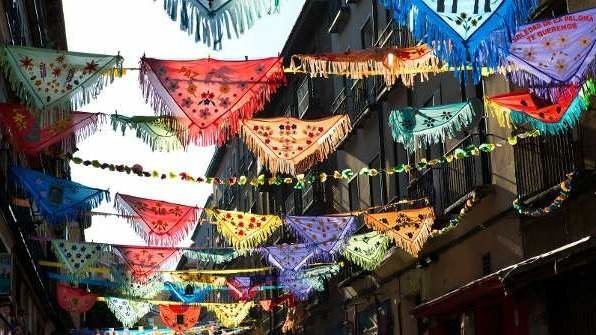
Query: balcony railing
x=447, y=184
x=542, y=162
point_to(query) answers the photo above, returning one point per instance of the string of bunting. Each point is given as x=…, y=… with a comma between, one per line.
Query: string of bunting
x=565, y=188
x=300, y=181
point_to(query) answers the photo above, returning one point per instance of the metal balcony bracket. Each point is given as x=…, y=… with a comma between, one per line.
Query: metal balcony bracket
x=340, y=20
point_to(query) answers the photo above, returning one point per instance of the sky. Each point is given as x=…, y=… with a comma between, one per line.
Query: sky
x=134, y=28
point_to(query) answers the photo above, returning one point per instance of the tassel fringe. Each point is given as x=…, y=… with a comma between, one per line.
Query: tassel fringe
x=169, y=141
x=245, y=242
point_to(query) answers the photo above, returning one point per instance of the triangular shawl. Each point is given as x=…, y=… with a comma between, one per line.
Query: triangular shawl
x=128, y=311
x=408, y=228
x=147, y=290
x=197, y=294
x=367, y=250
x=463, y=32
x=269, y=304
x=290, y=145
x=214, y=256
x=209, y=97
x=179, y=318
x=77, y=257
x=421, y=127
x=231, y=315
x=212, y=20
x=244, y=230
x=56, y=81
x=58, y=199
x=28, y=136
x=74, y=300
x=289, y=257
x=242, y=288
x=391, y=63
x=327, y=234
x=144, y=262
x=554, y=52
x=156, y=131
x=304, y=282
x=158, y=222
x=523, y=107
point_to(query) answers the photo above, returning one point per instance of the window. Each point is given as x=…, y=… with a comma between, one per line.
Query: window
x=303, y=94
x=375, y=183
x=354, y=194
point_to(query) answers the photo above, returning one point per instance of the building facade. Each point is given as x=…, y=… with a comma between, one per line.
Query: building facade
x=27, y=299
x=496, y=272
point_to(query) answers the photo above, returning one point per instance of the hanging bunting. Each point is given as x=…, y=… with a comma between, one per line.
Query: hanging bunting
x=523, y=107
x=552, y=53
x=58, y=199
x=289, y=257
x=328, y=234
x=29, y=137
x=422, y=127
x=231, y=315
x=564, y=189
x=463, y=32
x=77, y=257
x=391, y=63
x=242, y=288
x=128, y=312
x=74, y=300
x=409, y=228
x=189, y=293
x=179, y=318
x=303, y=283
x=212, y=20
x=144, y=262
x=55, y=81
x=270, y=304
x=198, y=279
x=155, y=131
x=244, y=230
x=212, y=256
x=158, y=222
x=209, y=97
x=290, y=145
x=148, y=289
x=367, y=250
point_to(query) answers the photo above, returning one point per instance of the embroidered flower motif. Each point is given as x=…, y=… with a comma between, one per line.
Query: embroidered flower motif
x=204, y=112
x=260, y=69
x=548, y=44
x=172, y=85
x=27, y=63
x=207, y=98
x=429, y=123
x=560, y=65
x=584, y=42
x=56, y=71
x=563, y=40
x=186, y=102
x=529, y=53
x=191, y=89
x=90, y=66
x=446, y=115
x=224, y=102
x=224, y=88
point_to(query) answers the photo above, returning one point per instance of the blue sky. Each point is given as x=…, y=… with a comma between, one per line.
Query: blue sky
x=134, y=28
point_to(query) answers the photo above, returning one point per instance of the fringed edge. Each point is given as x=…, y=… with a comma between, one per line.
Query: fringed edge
x=267, y=255
x=128, y=321
x=210, y=27
x=140, y=226
x=501, y=114
x=84, y=130
x=227, y=126
x=424, y=138
x=222, y=312
x=157, y=142
x=203, y=256
x=369, y=264
x=449, y=46
x=59, y=109
x=416, y=245
x=80, y=273
x=248, y=242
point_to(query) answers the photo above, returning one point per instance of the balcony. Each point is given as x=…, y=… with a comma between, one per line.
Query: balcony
x=447, y=184
x=542, y=162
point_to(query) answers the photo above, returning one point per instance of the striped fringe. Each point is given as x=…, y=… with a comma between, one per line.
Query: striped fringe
x=249, y=241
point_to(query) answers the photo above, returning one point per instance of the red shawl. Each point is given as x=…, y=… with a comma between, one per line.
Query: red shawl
x=158, y=222
x=179, y=318
x=269, y=304
x=210, y=96
x=27, y=135
x=74, y=300
x=241, y=288
x=143, y=262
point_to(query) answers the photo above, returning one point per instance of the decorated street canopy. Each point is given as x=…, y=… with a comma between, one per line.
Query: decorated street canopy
x=244, y=230
x=215, y=256
x=55, y=81
x=212, y=20
x=463, y=32
x=421, y=127
x=327, y=234
x=128, y=311
x=144, y=262
x=158, y=222
x=523, y=107
x=30, y=137
x=242, y=288
x=209, y=97
x=58, y=199
x=408, y=228
x=301, y=284
x=290, y=145
x=367, y=250
x=289, y=257
x=554, y=53
x=391, y=63
x=231, y=315
x=77, y=257
x=179, y=318
x=156, y=131
x=74, y=299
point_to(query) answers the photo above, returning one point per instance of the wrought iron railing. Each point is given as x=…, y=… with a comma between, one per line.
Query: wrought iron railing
x=339, y=105
x=542, y=162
